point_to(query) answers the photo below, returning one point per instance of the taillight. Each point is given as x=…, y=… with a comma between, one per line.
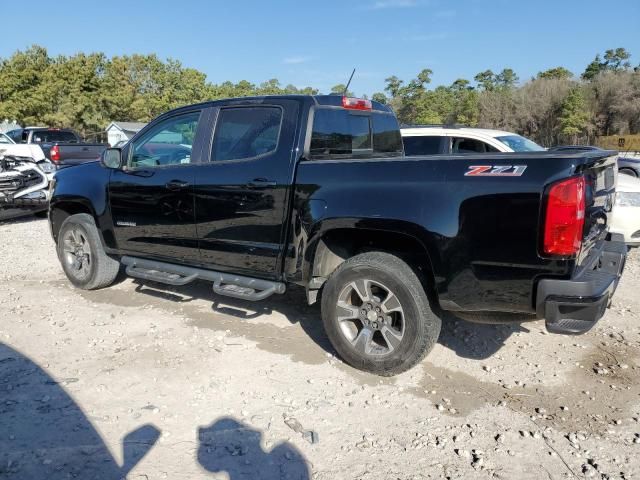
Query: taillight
x=356, y=103
x=564, y=218
x=54, y=154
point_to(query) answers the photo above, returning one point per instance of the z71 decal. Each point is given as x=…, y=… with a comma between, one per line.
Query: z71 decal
x=495, y=171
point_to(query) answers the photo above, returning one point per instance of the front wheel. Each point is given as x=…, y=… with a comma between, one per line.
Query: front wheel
x=377, y=315
x=82, y=256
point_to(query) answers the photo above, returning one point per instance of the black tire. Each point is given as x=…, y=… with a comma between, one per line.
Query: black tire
x=89, y=267
x=628, y=171
x=416, y=328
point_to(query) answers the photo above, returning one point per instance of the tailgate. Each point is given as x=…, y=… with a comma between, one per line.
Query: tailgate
x=75, y=154
x=601, y=171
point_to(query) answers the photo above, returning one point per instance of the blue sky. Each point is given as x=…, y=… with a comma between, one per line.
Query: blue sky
x=318, y=43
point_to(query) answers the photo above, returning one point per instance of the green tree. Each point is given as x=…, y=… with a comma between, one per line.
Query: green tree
x=380, y=98
x=574, y=117
x=20, y=76
x=393, y=86
x=507, y=79
x=486, y=80
x=557, y=72
x=341, y=89
x=617, y=59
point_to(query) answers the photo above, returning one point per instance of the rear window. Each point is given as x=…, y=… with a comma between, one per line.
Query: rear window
x=53, y=136
x=339, y=133
x=422, y=145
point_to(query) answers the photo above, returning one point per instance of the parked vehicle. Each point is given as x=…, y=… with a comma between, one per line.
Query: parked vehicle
x=63, y=147
x=9, y=148
x=629, y=165
x=626, y=164
x=443, y=140
x=626, y=213
x=255, y=194
x=24, y=186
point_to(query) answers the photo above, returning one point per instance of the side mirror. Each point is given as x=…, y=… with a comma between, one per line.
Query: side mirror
x=112, y=158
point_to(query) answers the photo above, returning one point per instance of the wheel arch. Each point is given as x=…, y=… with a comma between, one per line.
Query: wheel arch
x=59, y=211
x=335, y=245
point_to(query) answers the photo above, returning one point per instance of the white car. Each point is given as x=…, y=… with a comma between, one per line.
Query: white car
x=626, y=213
x=434, y=140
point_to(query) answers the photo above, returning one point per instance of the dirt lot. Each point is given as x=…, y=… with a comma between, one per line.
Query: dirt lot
x=213, y=388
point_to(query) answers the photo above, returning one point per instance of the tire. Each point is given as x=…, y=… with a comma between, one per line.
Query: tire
x=383, y=335
x=628, y=171
x=82, y=256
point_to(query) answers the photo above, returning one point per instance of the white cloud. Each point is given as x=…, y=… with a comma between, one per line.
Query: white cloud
x=295, y=60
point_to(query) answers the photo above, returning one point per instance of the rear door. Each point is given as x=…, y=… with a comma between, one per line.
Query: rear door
x=151, y=199
x=242, y=192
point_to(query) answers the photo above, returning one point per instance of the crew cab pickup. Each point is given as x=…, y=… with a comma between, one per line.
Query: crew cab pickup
x=63, y=147
x=257, y=194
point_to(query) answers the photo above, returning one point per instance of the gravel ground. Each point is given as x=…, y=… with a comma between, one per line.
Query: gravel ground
x=151, y=382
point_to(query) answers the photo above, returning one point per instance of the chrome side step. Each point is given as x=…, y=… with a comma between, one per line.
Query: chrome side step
x=236, y=286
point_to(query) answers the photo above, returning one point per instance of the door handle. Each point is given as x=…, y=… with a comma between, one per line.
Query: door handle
x=261, y=183
x=176, y=185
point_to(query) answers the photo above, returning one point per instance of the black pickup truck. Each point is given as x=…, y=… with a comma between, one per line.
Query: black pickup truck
x=255, y=194
x=63, y=147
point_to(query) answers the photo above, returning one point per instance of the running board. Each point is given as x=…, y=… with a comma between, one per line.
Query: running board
x=236, y=286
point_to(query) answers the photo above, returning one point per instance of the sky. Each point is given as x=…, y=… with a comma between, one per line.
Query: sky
x=313, y=43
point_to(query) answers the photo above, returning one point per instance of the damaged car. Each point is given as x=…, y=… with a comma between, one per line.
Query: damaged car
x=24, y=186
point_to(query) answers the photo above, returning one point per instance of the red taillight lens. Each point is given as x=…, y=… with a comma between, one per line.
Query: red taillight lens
x=356, y=103
x=54, y=154
x=564, y=219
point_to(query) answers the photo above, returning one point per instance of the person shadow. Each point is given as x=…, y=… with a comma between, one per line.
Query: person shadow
x=230, y=446
x=44, y=433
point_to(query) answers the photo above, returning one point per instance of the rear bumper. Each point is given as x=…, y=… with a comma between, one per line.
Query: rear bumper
x=575, y=305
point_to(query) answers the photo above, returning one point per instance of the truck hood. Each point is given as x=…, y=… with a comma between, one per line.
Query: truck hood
x=22, y=150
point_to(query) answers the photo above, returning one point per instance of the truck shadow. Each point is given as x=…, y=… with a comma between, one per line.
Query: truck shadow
x=45, y=434
x=230, y=446
x=466, y=339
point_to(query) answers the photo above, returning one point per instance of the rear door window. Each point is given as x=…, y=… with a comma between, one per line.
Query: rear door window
x=431, y=145
x=338, y=133
x=246, y=132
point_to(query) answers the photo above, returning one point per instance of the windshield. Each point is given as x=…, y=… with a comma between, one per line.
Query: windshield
x=518, y=143
x=5, y=139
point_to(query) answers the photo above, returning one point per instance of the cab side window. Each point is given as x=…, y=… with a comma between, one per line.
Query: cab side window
x=469, y=145
x=167, y=143
x=246, y=132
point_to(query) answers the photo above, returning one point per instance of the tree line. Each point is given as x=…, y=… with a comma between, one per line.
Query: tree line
x=87, y=91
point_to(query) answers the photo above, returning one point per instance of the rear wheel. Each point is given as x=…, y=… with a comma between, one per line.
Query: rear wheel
x=82, y=256
x=629, y=171
x=377, y=315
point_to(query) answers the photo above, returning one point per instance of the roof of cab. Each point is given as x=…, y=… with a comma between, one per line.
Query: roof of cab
x=328, y=100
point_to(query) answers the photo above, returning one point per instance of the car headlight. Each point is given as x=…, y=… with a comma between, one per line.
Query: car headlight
x=47, y=167
x=628, y=199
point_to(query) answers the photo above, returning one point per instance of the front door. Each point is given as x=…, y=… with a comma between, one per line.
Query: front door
x=151, y=198
x=241, y=193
